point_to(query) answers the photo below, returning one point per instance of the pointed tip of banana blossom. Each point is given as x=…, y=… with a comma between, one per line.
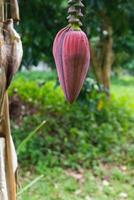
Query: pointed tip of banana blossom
x=71, y=100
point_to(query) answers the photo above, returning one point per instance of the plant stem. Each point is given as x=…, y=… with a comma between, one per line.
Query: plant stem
x=75, y=13
x=24, y=142
x=29, y=185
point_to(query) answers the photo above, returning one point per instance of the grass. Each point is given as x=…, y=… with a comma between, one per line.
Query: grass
x=104, y=182
x=123, y=87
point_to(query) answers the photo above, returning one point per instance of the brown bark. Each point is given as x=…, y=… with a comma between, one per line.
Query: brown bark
x=9, y=61
x=107, y=59
x=102, y=57
x=1, y=10
x=96, y=65
x=9, y=9
x=15, y=10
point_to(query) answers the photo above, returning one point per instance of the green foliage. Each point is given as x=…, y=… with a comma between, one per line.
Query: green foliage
x=124, y=49
x=83, y=134
x=23, y=144
x=120, y=16
x=41, y=20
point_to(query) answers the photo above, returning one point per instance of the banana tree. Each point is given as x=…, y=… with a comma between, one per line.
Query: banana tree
x=10, y=59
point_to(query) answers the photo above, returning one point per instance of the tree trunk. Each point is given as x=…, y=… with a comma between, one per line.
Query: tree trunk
x=1, y=10
x=3, y=186
x=107, y=59
x=10, y=155
x=9, y=9
x=102, y=58
x=96, y=65
x=15, y=10
x=8, y=159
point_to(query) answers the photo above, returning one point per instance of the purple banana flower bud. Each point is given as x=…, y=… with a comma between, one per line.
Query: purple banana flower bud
x=72, y=57
x=71, y=53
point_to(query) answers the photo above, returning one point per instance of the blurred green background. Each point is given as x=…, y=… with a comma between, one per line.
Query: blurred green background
x=84, y=151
